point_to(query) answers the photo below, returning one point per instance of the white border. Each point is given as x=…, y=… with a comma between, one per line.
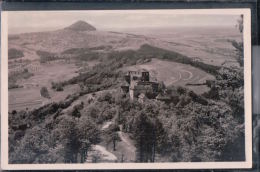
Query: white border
x=175, y=165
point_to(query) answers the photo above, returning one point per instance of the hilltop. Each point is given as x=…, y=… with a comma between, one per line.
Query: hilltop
x=81, y=26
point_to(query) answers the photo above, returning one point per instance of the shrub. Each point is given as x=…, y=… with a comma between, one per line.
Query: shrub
x=57, y=86
x=107, y=96
x=15, y=53
x=45, y=56
x=44, y=92
x=181, y=90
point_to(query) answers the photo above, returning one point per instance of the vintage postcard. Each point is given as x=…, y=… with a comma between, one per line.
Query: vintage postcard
x=126, y=89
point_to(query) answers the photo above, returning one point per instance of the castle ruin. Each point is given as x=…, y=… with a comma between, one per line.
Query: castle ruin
x=138, y=82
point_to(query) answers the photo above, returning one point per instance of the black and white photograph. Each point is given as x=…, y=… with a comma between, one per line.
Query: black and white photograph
x=125, y=87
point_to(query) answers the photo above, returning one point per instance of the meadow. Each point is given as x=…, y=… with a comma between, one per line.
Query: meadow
x=28, y=95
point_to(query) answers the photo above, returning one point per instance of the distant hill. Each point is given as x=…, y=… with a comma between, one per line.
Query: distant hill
x=82, y=35
x=81, y=26
x=78, y=35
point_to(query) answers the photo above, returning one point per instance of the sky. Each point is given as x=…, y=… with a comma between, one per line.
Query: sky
x=114, y=20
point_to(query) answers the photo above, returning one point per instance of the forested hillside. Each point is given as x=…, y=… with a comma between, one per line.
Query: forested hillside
x=191, y=127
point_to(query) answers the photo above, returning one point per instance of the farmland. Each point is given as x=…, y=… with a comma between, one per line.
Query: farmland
x=210, y=45
x=43, y=75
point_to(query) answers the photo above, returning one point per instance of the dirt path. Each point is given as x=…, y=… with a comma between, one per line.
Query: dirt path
x=124, y=152
x=127, y=147
x=189, y=73
x=101, y=154
x=105, y=153
x=106, y=125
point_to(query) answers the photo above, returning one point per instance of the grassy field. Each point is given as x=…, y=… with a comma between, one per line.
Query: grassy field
x=19, y=99
x=210, y=45
x=29, y=95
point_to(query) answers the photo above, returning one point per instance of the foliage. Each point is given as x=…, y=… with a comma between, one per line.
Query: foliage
x=88, y=56
x=112, y=135
x=239, y=45
x=56, y=86
x=69, y=141
x=33, y=144
x=107, y=96
x=77, y=138
x=14, y=53
x=229, y=88
x=46, y=56
x=45, y=93
x=101, y=112
x=13, y=77
x=197, y=131
x=75, y=51
x=149, y=136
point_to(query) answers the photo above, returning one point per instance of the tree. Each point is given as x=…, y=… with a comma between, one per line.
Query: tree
x=112, y=135
x=115, y=138
x=239, y=45
x=57, y=86
x=236, y=101
x=77, y=138
x=181, y=90
x=71, y=142
x=76, y=112
x=15, y=53
x=240, y=24
x=35, y=143
x=88, y=135
x=96, y=157
x=145, y=136
x=45, y=93
x=122, y=158
x=161, y=86
x=213, y=93
x=45, y=56
x=107, y=96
